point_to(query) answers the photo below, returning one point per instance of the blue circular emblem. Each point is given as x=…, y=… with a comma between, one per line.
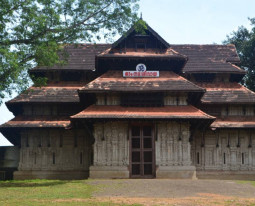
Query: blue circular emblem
x=140, y=68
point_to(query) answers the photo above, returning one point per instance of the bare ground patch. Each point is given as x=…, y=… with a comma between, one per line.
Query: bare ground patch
x=174, y=192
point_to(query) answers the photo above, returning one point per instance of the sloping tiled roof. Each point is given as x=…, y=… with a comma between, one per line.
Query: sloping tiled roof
x=227, y=93
x=119, y=112
x=80, y=57
x=36, y=122
x=210, y=58
x=201, y=58
x=50, y=93
x=234, y=122
x=167, y=81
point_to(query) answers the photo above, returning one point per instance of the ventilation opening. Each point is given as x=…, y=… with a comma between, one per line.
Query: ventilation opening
x=35, y=159
x=242, y=158
x=224, y=158
x=81, y=158
x=53, y=158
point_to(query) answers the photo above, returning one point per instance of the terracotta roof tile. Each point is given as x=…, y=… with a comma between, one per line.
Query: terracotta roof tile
x=210, y=58
x=167, y=81
x=36, y=122
x=234, y=122
x=80, y=57
x=201, y=58
x=51, y=93
x=119, y=112
x=226, y=93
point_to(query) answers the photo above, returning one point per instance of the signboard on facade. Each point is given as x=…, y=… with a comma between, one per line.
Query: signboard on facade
x=141, y=72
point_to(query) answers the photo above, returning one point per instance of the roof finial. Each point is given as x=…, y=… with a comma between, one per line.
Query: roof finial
x=141, y=15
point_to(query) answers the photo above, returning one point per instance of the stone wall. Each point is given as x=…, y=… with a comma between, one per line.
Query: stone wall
x=54, y=151
x=231, y=151
x=9, y=160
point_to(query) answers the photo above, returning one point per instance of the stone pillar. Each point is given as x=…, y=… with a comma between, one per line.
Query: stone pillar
x=113, y=157
x=174, y=158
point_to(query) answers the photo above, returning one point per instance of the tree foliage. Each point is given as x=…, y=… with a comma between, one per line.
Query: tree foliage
x=32, y=32
x=244, y=40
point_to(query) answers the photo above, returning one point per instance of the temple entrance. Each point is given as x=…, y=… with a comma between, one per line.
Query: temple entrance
x=142, y=151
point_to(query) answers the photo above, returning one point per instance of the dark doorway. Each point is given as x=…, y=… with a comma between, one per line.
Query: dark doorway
x=142, y=152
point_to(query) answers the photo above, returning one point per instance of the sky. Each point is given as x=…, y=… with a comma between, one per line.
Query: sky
x=186, y=22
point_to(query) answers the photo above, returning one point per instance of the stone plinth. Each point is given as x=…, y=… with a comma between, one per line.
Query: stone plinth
x=109, y=172
x=176, y=172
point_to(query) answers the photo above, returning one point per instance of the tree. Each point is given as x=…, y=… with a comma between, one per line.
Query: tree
x=32, y=32
x=244, y=40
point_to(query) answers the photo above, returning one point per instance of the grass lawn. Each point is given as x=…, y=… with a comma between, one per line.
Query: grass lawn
x=48, y=192
x=79, y=192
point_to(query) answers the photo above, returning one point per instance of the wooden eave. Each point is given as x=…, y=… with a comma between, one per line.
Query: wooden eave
x=113, y=81
x=120, y=112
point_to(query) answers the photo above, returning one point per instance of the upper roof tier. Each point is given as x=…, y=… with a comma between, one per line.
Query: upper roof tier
x=114, y=81
x=210, y=58
x=146, y=47
x=80, y=57
x=227, y=93
x=201, y=58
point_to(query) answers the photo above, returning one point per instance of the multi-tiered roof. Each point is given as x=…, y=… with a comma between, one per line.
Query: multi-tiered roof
x=93, y=69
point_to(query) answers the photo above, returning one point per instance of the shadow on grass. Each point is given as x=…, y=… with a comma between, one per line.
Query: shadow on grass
x=32, y=183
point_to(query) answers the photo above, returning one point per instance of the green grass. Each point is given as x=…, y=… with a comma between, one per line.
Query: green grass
x=48, y=192
x=246, y=182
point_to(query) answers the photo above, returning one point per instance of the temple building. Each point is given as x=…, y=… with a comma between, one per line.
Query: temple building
x=137, y=108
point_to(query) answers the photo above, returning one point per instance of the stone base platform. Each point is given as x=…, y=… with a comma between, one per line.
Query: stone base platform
x=53, y=175
x=226, y=175
x=176, y=172
x=108, y=172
